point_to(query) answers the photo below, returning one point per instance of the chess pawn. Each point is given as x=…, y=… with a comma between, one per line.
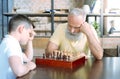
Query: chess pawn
x=64, y=57
x=68, y=57
x=55, y=54
x=47, y=55
x=61, y=55
x=50, y=56
x=44, y=55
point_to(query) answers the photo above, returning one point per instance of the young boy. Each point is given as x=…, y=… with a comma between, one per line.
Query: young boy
x=13, y=62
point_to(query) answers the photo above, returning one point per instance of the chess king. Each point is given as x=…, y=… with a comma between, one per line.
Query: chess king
x=77, y=37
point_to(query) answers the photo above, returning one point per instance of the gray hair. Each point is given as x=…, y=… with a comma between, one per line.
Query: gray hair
x=77, y=12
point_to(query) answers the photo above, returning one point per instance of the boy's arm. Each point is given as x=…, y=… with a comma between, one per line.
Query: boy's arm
x=28, y=53
x=18, y=67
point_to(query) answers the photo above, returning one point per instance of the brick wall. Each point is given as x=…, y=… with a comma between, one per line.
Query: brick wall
x=38, y=6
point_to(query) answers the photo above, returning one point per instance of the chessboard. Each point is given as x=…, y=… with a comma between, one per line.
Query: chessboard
x=61, y=62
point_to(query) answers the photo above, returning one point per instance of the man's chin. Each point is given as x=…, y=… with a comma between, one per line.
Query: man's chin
x=73, y=36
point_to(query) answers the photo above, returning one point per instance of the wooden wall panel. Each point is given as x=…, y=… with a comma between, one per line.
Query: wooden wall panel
x=40, y=42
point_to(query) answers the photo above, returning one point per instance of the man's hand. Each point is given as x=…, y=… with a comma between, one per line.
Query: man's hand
x=83, y=54
x=85, y=28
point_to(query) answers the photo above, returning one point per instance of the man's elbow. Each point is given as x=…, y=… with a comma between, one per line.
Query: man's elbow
x=99, y=58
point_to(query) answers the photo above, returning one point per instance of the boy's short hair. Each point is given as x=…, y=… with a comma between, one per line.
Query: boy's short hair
x=17, y=20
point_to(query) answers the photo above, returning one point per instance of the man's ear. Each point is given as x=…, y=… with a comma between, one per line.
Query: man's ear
x=20, y=28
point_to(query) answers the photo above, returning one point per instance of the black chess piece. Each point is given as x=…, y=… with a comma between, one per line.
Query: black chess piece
x=60, y=55
x=44, y=55
x=68, y=58
x=64, y=57
x=53, y=54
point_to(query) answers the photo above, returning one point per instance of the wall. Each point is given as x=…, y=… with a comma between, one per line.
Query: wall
x=39, y=6
x=110, y=42
x=109, y=45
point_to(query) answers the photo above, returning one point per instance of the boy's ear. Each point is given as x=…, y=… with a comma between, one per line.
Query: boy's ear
x=20, y=28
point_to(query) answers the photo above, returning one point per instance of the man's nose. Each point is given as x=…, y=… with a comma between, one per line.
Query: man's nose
x=72, y=30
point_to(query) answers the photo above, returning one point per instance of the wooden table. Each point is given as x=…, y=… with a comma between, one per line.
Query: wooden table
x=107, y=68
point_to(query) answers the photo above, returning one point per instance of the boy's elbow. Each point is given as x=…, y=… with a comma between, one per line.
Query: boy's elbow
x=21, y=71
x=19, y=74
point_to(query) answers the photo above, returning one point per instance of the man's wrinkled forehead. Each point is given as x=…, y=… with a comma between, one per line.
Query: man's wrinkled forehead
x=75, y=20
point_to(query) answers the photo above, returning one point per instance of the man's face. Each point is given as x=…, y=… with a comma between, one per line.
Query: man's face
x=74, y=23
x=73, y=28
x=72, y=36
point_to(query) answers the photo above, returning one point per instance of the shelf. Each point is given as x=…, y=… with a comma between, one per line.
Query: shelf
x=39, y=36
x=60, y=14
x=49, y=14
x=105, y=15
x=42, y=31
x=111, y=15
x=37, y=14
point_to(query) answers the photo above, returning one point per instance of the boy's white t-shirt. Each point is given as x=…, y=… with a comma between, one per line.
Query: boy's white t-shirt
x=8, y=47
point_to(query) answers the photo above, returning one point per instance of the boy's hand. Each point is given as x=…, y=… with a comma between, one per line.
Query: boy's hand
x=32, y=34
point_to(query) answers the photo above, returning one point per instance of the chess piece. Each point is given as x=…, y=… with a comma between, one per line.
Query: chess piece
x=44, y=55
x=64, y=57
x=68, y=57
x=57, y=55
x=53, y=54
x=60, y=55
x=50, y=56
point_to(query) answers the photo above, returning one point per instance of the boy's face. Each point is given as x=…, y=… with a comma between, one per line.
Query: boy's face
x=26, y=35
